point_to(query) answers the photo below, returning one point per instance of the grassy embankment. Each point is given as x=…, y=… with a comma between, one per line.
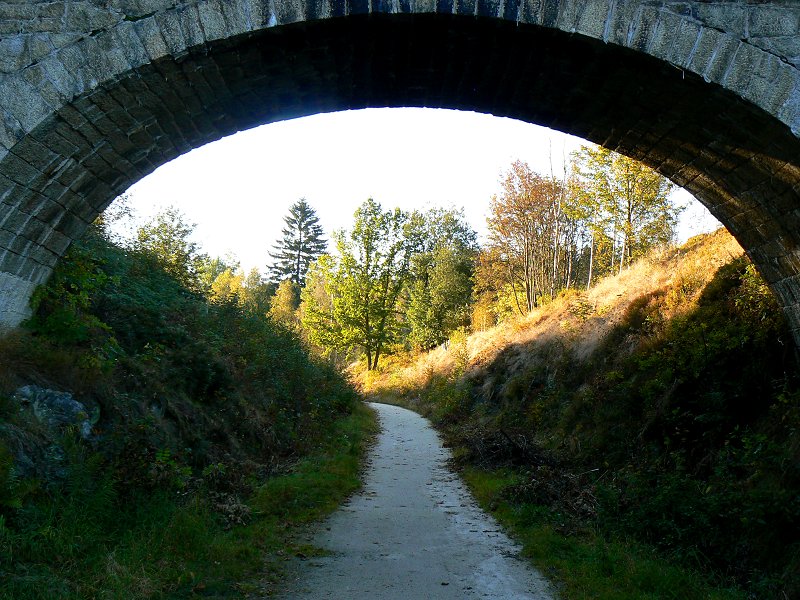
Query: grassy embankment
x=215, y=436
x=642, y=439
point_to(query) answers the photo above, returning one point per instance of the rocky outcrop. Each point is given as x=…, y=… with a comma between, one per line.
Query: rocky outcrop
x=35, y=436
x=57, y=410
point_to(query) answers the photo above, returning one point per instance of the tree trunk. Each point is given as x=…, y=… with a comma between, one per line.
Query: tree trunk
x=591, y=262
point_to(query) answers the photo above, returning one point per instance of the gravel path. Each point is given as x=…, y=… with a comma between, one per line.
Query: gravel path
x=414, y=532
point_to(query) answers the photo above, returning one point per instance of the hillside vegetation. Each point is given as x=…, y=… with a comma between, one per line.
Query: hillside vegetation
x=213, y=431
x=635, y=434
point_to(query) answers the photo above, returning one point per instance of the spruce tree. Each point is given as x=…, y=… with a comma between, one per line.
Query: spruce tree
x=302, y=243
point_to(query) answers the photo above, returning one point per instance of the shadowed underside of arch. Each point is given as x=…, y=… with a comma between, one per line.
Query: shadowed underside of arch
x=68, y=163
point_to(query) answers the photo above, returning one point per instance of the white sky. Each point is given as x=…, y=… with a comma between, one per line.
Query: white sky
x=238, y=189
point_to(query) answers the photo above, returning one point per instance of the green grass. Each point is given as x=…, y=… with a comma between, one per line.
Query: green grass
x=582, y=563
x=165, y=546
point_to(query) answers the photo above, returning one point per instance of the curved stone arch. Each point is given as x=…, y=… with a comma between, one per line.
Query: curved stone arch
x=95, y=98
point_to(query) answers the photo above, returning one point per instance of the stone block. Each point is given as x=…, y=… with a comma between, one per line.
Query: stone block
x=133, y=9
x=13, y=220
x=21, y=244
x=687, y=39
x=29, y=269
x=8, y=190
x=618, y=23
x=11, y=262
x=237, y=18
x=337, y=8
x=789, y=112
x=42, y=256
x=744, y=64
x=71, y=225
x=74, y=61
x=588, y=17
x=6, y=238
x=150, y=36
x=59, y=77
x=769, y=21
x=169, y=23
x=721, y=58
x=189, y=18
x=63, y=39
x=771, y=83
x=84, y=16
x=29, y=201
x=14, y=295
x=24, y=102
x=664, y=35
x=57, y=242
x=55, y=191
x=115, y=57
x=14, y=53
x=484, y=8
x=641, y=28
x=37, y=231
x=18, y=170
x=212, y=20
x=127, y=41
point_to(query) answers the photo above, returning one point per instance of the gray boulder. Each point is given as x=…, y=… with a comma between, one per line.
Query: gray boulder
x=56, y=410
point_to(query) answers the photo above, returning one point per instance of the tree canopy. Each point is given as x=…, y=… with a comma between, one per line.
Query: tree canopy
x=301, y=244
x=363, y=281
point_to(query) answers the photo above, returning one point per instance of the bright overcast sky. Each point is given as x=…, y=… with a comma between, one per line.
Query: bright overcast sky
x=238, y=189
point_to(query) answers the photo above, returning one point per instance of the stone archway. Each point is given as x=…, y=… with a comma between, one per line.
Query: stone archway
x=96, y=94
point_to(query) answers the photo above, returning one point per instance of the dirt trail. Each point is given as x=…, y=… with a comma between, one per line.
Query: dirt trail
x=414, y=532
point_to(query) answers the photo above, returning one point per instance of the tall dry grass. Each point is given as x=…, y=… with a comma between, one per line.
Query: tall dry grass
x=576, y=321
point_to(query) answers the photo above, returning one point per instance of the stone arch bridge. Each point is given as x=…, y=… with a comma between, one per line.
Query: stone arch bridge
x=96, y=94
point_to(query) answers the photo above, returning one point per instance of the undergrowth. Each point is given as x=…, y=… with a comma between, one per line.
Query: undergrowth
x=204, y=418
x=92, y=542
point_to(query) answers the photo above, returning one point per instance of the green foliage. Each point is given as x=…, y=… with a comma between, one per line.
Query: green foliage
x=94, y=540
x=284, y=304
x=629, y=206
x=9, y=486
x=583, y=560
x=439, y=292
x=198, y=400
x=166, y=240
x=62, y=309
x=353, y=302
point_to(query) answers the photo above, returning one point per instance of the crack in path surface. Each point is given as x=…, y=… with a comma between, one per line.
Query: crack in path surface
x=414, y=531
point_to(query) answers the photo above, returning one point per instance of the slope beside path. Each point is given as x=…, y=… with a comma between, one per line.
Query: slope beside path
x=414, y=531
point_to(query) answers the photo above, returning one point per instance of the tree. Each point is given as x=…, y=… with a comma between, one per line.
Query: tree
x=301, y=244
x=316, y=306
x=363, y=283
x=631, y=203
x=523, y=229
x=284, y=304
x=442, y=250
x=166, y=239
x=211, y=268
x=256, y=293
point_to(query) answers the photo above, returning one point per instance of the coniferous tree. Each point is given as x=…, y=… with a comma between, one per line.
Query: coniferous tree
x=302, y=243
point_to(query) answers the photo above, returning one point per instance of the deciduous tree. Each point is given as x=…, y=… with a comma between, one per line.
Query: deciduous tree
x=442, y=257
x=363, y=281
x=630, y=203
x=167, y=239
